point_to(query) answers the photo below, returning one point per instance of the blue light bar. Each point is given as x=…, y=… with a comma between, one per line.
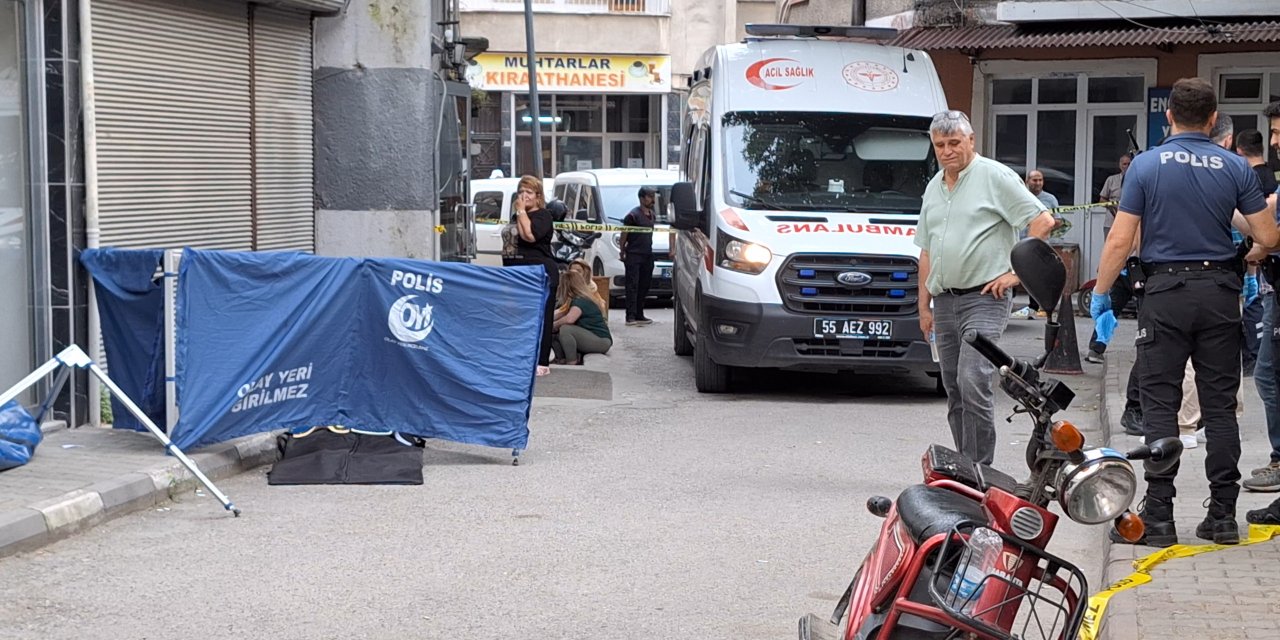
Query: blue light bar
x=900, y=276
x=808, y=273
x=897, y=293
x=809, y=291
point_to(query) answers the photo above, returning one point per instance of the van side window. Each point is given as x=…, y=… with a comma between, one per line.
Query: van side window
x=488, y=205
x=699, y=169
x=588, y=206
x=569, y=197
x=662, y=204
x=558, y=194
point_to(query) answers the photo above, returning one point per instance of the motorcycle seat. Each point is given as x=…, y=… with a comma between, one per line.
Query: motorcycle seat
x=927, y=511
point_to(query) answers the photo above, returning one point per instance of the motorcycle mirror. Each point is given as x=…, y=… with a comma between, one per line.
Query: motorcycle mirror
x=1041, y=271
x=1160, y=455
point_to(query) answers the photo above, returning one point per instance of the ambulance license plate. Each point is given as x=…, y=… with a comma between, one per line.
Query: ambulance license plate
x=853, y=328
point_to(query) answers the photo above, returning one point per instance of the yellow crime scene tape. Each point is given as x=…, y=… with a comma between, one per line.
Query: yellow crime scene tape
x=1077, y=207
x=591, y=226
x=1092, y=625
x=587, y=226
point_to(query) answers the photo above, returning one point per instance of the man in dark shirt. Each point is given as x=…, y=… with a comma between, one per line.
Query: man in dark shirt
x=1183, y=195
x=1249, y=146
x=636, y=251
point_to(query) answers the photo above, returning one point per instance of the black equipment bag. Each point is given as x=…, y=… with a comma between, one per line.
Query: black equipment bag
x=324, y=456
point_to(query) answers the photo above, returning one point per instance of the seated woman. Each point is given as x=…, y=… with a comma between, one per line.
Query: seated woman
x=580, y=325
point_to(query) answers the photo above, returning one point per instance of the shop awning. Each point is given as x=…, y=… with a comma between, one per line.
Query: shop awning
x=1010, y=36
x=313, y=6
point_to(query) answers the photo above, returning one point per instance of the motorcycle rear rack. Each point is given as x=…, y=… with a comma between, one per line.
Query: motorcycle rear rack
x=1050, y=606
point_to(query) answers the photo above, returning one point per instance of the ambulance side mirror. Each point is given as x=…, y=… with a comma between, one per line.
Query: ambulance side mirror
x=685, y=214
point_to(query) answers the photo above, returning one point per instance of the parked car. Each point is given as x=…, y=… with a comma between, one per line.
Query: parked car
x=492, y=199
x=607, y=196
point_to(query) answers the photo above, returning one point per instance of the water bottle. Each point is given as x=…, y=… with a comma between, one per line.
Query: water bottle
x=976, y=563
x=933, y=345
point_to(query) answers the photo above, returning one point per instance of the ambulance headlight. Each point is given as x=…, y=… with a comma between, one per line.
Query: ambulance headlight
x=743, y=256
x=1098, y=489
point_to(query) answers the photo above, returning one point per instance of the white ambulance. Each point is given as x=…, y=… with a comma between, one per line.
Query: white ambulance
x=806, y=154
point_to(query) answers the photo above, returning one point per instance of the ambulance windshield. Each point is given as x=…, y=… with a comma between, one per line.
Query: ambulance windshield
x=809, y=161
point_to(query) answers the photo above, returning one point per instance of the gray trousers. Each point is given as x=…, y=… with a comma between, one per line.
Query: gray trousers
x=572, y=341
x=966, y=375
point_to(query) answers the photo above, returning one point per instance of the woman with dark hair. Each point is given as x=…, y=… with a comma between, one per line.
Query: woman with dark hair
x=533, y=226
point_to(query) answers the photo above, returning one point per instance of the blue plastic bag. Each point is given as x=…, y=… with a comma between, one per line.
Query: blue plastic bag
x=1106, y=326
x=19, y=435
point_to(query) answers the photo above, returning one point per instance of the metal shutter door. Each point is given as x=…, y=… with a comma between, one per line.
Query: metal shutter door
x=282, y=153
x=171, y=100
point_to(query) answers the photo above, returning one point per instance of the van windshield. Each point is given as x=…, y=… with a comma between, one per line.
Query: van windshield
x=811, y=161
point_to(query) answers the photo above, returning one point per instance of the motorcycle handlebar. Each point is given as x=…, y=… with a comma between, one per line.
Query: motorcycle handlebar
x=988, y=349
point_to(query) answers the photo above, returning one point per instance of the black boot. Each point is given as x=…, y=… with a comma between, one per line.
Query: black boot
x=1268, y=516
x=1220, y=524
x=1131, y=420
x=1157, y=516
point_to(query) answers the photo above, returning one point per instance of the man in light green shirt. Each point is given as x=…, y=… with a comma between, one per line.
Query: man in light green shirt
x=969, y=221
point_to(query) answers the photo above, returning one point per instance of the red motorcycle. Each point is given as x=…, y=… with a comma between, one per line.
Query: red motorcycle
x=963, y=554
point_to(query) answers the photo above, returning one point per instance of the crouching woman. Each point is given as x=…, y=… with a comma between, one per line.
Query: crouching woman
x=580, y=324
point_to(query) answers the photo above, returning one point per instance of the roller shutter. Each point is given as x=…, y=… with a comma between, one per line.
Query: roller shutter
x=284, y=214
x=173, y=118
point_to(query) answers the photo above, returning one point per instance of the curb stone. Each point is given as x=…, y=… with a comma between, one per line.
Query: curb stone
x=46, y=521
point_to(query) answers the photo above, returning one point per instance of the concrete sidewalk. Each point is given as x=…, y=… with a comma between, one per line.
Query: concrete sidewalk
x=81, y=477
x=1217, y=595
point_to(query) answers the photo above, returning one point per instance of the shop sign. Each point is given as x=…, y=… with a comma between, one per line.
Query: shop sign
x=572, y=73
x=1157, y=120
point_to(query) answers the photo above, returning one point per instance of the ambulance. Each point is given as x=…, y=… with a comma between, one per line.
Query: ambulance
x=806, y=153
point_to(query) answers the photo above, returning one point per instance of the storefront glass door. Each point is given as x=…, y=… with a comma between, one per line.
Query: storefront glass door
x=16, y=340
x=1072, y=127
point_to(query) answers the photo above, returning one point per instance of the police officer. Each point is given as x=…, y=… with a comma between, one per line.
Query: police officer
x=1180, y=197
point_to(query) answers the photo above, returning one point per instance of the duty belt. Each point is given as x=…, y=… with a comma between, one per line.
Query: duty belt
x=1152, y=268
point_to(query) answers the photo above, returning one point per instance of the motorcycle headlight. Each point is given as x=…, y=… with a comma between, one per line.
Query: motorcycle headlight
x=1098, y=489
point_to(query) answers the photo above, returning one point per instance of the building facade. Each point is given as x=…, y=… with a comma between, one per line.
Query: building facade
x=611, y=78
x=202, y=123
x=1069, y=86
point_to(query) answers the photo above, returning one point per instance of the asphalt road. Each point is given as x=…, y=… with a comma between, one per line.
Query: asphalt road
x=660, y=514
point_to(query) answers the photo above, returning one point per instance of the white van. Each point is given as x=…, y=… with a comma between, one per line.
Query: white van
x=492, y=198
x=607, y=196
x=805, y=160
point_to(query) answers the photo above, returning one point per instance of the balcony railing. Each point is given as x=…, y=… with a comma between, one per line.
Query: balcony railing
x=639, y=7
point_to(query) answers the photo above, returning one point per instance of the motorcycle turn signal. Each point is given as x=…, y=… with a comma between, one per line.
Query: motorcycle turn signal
x=1130, y=526
x=1066, y=437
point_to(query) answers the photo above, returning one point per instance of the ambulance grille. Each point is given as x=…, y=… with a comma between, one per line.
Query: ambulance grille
x=807, y=284
x=833, y=348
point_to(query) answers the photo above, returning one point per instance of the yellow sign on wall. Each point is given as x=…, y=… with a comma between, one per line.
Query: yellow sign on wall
x=572, y=73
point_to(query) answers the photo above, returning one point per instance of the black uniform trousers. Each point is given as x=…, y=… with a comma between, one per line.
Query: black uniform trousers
x=1196, y=315
x=639, y=276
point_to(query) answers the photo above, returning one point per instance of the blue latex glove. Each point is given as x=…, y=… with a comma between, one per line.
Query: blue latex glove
x=1100, y=303
x=1250, y=289
x=1105, y=326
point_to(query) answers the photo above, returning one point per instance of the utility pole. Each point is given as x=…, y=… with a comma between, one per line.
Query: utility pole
x=535, y=109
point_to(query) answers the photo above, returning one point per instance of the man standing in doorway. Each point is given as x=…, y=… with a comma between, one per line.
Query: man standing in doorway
x=637, y=257
x=969, y=219
x=1183, y=195
x=1113, y=184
